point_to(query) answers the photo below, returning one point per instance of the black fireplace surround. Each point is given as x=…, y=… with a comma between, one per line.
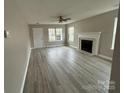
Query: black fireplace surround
x=86, y=45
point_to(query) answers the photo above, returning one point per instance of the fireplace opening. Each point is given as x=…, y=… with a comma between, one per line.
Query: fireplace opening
x=86, y=45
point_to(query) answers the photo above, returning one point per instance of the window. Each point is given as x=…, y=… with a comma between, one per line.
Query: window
x=51, y=34
x=71, y=34
x=58, y=33
x=114, y=33
x=55, y=34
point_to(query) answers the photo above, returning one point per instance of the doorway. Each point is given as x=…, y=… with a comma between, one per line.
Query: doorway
x=38, y=38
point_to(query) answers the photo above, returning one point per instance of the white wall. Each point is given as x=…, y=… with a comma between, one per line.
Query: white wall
x=115, y=72
x=16, y=48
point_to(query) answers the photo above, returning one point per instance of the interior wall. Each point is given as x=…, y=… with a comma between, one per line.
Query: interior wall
x=103, y=23
x=16, y=48
x=115, y=72
x=46, y=37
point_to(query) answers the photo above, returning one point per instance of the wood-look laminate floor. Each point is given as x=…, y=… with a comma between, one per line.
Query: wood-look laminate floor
x=66, y=70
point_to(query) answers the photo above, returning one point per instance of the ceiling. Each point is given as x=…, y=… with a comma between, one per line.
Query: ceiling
x=46, y=11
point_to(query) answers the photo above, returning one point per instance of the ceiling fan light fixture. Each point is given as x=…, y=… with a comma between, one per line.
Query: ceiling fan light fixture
x=61, y=19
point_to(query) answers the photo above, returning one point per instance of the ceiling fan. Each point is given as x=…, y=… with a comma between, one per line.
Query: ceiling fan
x=61, y=19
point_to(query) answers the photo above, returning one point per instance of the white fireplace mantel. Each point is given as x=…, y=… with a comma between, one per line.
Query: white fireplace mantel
x=94, y=36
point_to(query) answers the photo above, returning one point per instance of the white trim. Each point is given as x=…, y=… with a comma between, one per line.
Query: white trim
x=105, y=57
x=114, y=33
x=37, y=47
x=73, y=46
x=33, y=48
x=24, y=78
x=47, y=46
x=56, y=41
x=55, y=45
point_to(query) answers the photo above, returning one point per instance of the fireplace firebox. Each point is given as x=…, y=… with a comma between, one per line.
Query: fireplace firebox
x=86, y=45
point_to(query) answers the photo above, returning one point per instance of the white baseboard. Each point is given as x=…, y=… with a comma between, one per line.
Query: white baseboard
x=55, y=45
x=73, y=46
x=47, y=46
x=37, y=47
x=24, y=78
x=105, y=57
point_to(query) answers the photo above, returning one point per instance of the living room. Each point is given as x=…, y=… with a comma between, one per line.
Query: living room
x=59, y=46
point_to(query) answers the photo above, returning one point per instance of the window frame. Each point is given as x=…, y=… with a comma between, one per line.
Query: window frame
x=60, y=34
x=49, y=34
x=114, y=33
x=55, y=34
x=69, y=34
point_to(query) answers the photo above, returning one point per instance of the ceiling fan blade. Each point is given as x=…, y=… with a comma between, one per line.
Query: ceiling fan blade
x=61, y=19
x=66, y=19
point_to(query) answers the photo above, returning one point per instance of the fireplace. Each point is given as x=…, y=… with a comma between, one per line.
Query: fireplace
x=86, y=45
x=89, y=42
